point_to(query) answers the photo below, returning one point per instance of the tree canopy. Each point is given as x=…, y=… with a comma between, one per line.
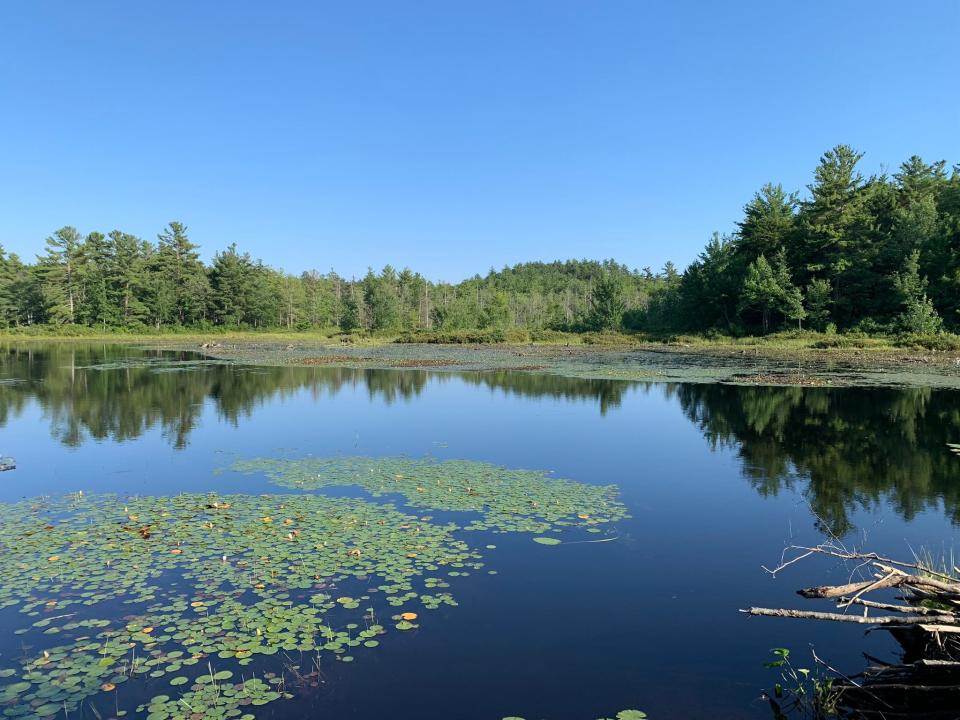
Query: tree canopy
x=876, y=253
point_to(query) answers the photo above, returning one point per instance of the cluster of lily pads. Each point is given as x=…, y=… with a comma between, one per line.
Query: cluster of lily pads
x=508, y=500
x=197, y=591
x=205, y=577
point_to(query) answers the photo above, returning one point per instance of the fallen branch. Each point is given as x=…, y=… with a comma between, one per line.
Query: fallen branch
x=841, y=617
x=846, y=602
x=890, y=581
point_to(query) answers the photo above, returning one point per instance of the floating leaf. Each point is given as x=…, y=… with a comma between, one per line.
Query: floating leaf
x=546, y=540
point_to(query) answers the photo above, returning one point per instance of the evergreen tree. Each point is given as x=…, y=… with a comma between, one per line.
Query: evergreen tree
x=100, y=306
x=7, y=302
x=350, y=318
x=231, y=285
x=60, y=273
x=181, y=286
x=129, y=281
x=832, y=219
x=918, y=315
x=819, y=299
x=768, y=289
x=606, y=303
x=380, y=296
x=769, y=222
x=710, y=286
x=863, y=249
x=791, y=300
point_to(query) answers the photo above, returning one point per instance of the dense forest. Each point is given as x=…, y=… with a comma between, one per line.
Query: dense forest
x=872, y=254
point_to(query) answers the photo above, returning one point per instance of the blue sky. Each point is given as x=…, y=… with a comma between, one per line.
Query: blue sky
x=452, y=136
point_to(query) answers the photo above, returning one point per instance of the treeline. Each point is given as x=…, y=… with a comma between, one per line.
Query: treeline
x=875, y=254
x=118, y=280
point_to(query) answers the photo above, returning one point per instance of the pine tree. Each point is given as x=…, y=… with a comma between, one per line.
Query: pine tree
x=60, y=274
x=819, y=299
x=768, y=224
x=129, y=281
x=231, y=285
x=181, y=284
x=769, y=289
x=350, y=318
x=7, y=306
x=832, y=220
x=380, y=296
x=606, y=303
x=918, y=315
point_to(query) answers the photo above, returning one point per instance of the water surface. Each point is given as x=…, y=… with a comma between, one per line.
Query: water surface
x=717, y=479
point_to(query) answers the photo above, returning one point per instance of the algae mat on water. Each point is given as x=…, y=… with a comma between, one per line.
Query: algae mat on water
x=121, y=595
x=743, y=366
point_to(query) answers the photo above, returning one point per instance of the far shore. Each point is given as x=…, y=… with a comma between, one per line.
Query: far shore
x=792, y=358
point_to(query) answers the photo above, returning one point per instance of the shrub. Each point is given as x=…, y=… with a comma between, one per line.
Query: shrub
x=940, y=342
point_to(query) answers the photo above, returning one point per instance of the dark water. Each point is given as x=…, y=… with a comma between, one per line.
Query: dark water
x=718, y=479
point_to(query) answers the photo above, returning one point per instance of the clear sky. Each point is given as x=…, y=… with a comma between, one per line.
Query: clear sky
x=449, y=135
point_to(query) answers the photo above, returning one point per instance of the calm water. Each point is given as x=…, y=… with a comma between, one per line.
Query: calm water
x=717, y=478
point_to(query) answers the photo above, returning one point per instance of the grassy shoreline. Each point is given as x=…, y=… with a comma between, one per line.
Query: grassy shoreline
x=792, y=359
x=799, y=345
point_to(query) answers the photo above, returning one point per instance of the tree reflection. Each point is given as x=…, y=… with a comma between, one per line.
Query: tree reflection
x=845, y=448
x=146, y=389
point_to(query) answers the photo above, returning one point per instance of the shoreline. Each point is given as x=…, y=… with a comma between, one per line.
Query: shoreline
x=772, y=361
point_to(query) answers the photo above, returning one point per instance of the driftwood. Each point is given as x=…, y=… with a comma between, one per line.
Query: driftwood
x=923, y=616
x=862, y=619
x=917, y=582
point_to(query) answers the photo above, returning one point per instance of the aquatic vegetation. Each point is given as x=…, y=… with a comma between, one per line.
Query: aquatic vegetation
x=508, y=500
x=191, y=589
x=157, y=363
x=206, y=582
x=745, y=365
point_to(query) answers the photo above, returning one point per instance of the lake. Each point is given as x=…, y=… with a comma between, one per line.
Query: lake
x=635, y=607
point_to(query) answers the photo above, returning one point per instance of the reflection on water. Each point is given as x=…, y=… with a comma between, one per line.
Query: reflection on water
x=845, y=448
x=83, y=401
x=710, y=476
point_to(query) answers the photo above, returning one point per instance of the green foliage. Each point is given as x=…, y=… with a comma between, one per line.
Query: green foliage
x=179, y=284
x=873, y=254
x=918, y=315
x=940, y=342
x=61, y=276
x=847, y=244
x=769, y=289
x=800, y=690
x=381, y=295
x=606, y=303
x=230, y=580
x=818, y=301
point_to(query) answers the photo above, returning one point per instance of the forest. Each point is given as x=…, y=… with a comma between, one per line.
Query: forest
x=876, y=255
